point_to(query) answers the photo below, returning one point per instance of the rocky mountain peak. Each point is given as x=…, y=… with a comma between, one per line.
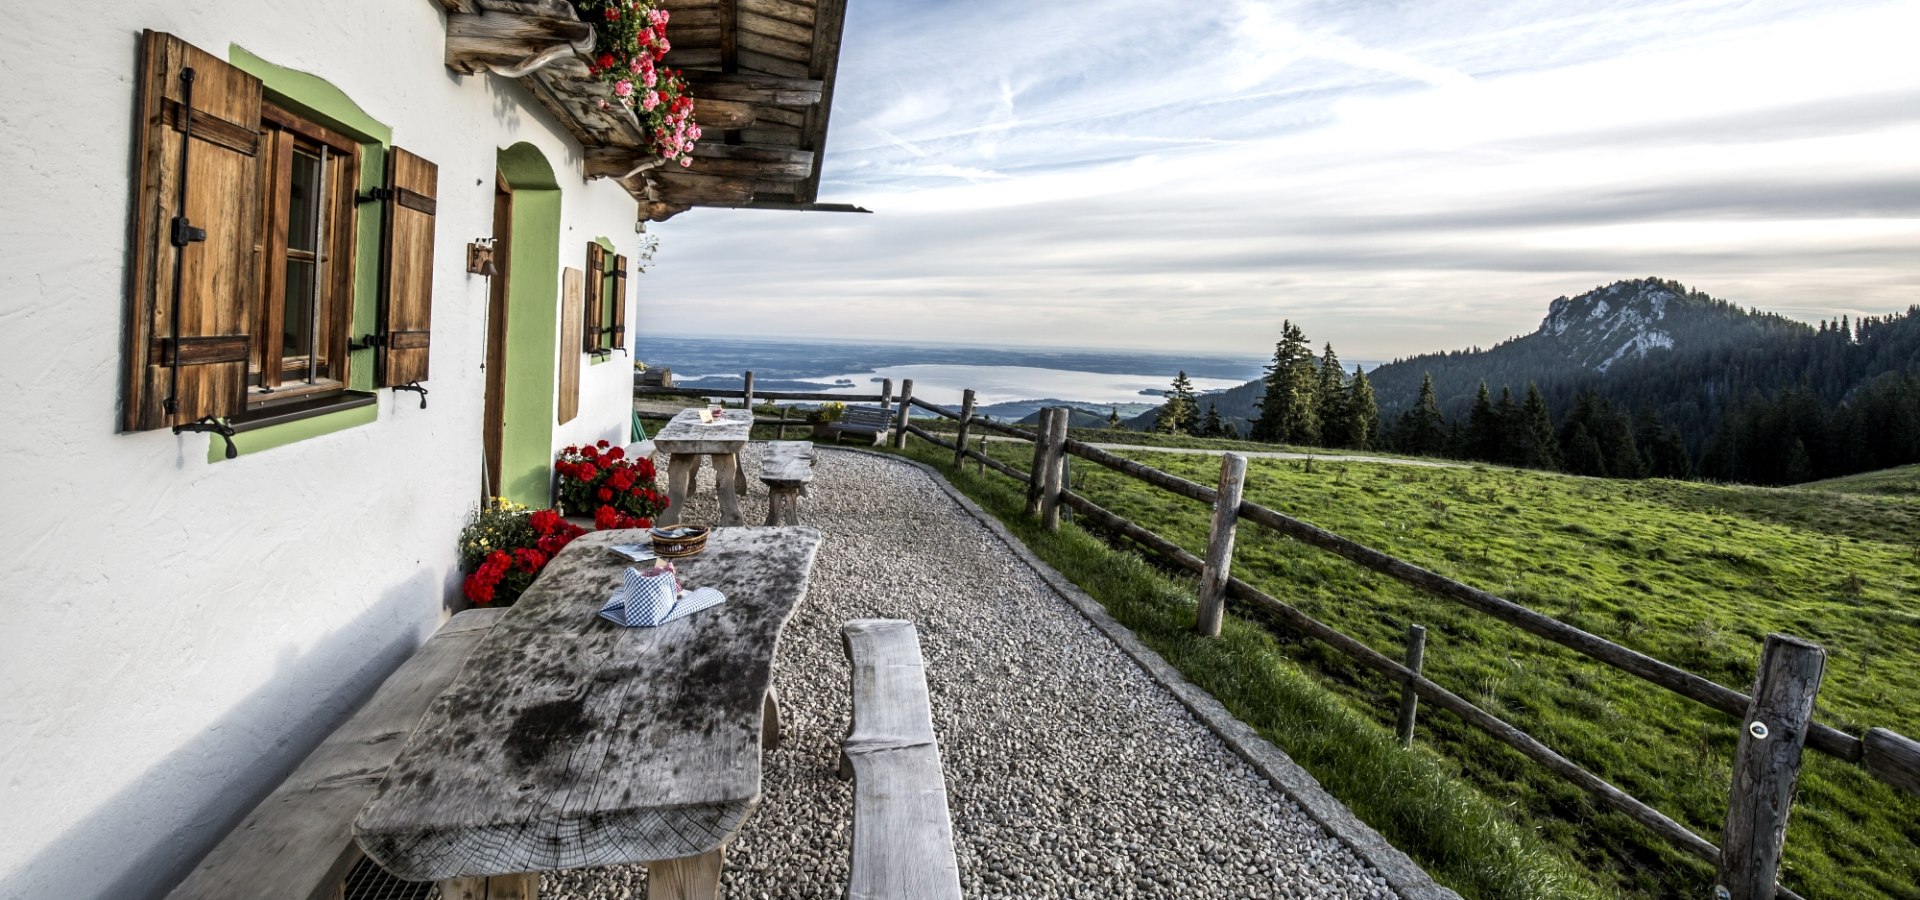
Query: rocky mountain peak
x=1624, y=320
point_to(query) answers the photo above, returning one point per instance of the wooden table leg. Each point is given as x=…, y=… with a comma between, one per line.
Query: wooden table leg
x=498, y=887
x=770, y=721
x=725, y=468
x=680, y=471
x=686, y=878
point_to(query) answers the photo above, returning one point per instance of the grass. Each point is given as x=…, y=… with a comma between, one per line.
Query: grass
x=1693, y=574
x=1413, y=798
x=1903, y=481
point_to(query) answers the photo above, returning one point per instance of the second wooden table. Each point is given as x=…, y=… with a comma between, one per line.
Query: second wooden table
x=686, y=439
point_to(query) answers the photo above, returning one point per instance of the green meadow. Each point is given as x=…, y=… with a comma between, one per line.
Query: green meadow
x=1689, y=573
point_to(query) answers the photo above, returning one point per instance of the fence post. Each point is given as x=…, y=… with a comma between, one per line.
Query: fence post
x=1410, y=701
x=1038, y=471
x=1066, y=477
x=982, y=462
x=783, y=422
x=886, y=393
x=747, y=392
x=1056, y=444
x=1219, y=566
x=1766, y=767
x=966, y=419
x=906, y=409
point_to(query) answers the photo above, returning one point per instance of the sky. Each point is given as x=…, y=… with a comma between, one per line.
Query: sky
x=1395, y=177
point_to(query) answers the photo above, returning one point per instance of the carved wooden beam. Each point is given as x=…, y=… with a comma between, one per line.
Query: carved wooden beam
x=619, y=162
x=659, y=211
x=513, y=44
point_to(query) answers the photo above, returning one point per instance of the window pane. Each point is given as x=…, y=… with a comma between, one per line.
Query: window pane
x=300, y=209
x=299, y=309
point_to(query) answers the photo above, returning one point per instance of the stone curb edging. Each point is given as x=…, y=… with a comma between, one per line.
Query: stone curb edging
x=1401, y=873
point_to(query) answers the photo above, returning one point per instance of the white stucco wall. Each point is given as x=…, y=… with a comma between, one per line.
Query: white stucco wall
x=175, y=635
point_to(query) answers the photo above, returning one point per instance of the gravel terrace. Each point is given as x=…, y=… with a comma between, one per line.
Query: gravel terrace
x=1070, y=773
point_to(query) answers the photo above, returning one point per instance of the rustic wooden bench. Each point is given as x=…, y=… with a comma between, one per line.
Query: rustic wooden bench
x=786, y=468
x=867, y=421
x=902, y=835
x=298, y=843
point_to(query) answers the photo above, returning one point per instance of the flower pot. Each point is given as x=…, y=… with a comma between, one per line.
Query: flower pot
x=823, y=431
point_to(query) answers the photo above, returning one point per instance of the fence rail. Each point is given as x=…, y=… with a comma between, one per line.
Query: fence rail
x=1755, y=827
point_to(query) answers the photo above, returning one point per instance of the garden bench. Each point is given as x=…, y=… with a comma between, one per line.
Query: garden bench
x=867, y=421
x=298, y=843
x=902, y=835
x=785, y=469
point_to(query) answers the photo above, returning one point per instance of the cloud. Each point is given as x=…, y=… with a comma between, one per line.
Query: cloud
x=1400, y=179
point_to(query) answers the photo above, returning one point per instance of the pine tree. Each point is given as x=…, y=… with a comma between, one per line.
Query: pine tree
x=1799, y=467
x=1508, y=416
x=1539, y=448
x=1422, y=429
x=1113, y=418
x=1178, y=415
x=1330, y=399
x=1361, y=427
x=1211, y=425
x=1484, y=438
x=1583, y=454
x=1287, y=408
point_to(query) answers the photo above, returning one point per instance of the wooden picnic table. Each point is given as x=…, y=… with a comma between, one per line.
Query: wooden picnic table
x=686, y=439
x=571, y=741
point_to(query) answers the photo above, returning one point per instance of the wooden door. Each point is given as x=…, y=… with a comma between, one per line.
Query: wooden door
x=496, y=405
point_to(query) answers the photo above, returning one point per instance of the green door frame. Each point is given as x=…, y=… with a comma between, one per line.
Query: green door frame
x=533, y=296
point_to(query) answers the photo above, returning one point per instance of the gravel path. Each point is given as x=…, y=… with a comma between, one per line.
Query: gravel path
x=1070, y=773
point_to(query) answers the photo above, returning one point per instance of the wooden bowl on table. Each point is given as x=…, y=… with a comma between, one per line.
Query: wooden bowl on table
x=676, y=541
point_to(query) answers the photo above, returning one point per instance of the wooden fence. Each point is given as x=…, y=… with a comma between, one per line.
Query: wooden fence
x=1776, y=717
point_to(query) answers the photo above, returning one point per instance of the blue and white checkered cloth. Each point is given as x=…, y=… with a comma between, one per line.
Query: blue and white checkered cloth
x=649, y=600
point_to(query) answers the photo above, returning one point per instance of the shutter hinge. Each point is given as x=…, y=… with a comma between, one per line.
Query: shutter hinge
x=184, y=233
x=211, y=425
x=367, y=342
x=374, y=195
x=414, y=386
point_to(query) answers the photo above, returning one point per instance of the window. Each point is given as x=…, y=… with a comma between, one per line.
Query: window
x=243, y=249
x=305, y=247
x=606, y=301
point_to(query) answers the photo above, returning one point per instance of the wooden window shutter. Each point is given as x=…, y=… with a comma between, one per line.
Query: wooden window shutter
x=619, y=303
x=406, y=277
x=187, y=345
x=596, y=281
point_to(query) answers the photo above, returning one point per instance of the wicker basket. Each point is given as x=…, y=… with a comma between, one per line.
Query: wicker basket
x=684, y=545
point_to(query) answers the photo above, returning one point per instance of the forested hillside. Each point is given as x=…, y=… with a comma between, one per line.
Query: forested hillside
x=1647, y=377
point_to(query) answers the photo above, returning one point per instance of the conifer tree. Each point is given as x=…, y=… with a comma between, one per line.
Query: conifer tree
x=1113, y=418
x=1508, y=416
x=1539, y=448
x=1330, y=399
x=1484, y=437
x=1178, y=415
x=1287, y=413
x=1423, y=430
x=1211, y=425
x=1583, y=453
x=1361, y=427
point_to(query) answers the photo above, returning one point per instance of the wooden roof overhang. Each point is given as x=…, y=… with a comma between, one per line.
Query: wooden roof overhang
x=761, y=73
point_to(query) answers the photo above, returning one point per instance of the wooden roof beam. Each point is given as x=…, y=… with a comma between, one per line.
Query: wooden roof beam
x=765, y=89
x=830, y=18
x=515, y=43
